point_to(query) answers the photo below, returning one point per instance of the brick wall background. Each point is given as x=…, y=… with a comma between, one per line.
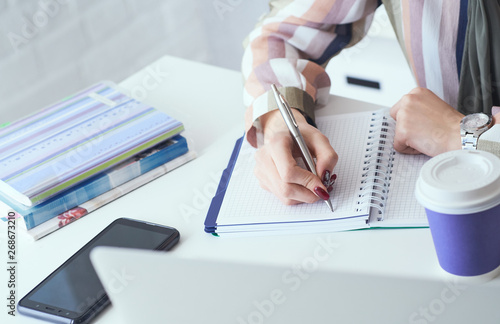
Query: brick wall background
x=53, y=48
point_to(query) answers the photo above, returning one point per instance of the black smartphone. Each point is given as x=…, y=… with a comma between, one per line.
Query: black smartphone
x=73, y=293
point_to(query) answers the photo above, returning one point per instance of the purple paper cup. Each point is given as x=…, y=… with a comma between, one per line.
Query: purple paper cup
x=460, y=191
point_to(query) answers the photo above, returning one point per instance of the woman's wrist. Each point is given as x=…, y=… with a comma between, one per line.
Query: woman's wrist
x=272, y=122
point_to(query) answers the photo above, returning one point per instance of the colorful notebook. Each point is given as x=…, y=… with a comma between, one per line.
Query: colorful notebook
x=62, y=145
x=101, y=183
x=374, y=188
x=87, y=207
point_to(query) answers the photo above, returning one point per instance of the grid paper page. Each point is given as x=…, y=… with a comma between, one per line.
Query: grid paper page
x=245, y=202
x=402, y=207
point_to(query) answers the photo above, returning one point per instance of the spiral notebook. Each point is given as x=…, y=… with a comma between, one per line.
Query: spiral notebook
x=374, y=188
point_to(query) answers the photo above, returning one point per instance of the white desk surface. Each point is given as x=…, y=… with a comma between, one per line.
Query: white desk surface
x=209, y=101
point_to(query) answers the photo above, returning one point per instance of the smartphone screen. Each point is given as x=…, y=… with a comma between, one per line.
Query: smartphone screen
x=73, y=291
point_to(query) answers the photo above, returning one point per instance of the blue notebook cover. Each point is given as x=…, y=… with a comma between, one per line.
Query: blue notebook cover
x=213, y=211
x=101, y=183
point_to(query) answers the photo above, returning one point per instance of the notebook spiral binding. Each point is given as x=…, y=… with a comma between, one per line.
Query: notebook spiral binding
x=378, y=163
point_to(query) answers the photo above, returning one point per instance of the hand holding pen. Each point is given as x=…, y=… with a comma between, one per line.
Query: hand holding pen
x=277, y=169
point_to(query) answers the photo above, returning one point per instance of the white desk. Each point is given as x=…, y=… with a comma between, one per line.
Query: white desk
x=394, y=274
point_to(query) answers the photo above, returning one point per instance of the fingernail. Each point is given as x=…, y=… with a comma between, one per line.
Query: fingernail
x=330, y=182
x=326, y=177
x=330, y=188
x=321, y=193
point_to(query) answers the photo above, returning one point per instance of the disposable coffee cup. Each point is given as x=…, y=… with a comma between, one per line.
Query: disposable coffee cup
x=460, y=191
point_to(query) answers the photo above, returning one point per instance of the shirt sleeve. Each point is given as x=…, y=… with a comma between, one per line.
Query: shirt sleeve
x=291, y=46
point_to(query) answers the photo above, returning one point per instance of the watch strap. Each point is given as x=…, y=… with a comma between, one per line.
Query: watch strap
x=469, y=142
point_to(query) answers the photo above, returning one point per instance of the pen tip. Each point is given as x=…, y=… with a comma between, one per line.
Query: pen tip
x=329, y=203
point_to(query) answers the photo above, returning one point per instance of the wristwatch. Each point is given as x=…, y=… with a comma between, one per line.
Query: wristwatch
x=471, y=127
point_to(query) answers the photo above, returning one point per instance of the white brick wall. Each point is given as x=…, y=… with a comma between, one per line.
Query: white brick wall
x=52, y=48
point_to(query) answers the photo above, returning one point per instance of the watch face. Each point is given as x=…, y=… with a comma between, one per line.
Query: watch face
x=476, y=121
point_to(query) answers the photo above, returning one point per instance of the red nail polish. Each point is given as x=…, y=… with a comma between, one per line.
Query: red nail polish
x=330, y=182
x=329, y=189
x=326, y=177
x=321, y=193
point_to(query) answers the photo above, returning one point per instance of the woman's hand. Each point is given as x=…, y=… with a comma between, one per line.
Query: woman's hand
x=277, y=169
x=425, y=124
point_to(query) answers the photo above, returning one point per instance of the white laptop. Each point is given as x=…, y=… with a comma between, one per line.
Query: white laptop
x=160, y=287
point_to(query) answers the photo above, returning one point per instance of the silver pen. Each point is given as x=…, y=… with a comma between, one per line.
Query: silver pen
x=287, y=114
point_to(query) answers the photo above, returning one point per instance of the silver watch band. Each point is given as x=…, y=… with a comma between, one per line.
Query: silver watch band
x=469, y=142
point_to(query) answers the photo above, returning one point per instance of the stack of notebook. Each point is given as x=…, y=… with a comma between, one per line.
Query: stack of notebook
x=79, y=154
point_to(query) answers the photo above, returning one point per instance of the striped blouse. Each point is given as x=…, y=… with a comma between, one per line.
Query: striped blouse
x=293, y=43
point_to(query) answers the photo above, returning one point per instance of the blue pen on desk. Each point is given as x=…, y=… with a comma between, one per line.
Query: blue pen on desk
x=287, y=114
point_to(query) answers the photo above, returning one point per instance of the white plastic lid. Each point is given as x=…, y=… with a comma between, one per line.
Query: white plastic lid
x=460, y=182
